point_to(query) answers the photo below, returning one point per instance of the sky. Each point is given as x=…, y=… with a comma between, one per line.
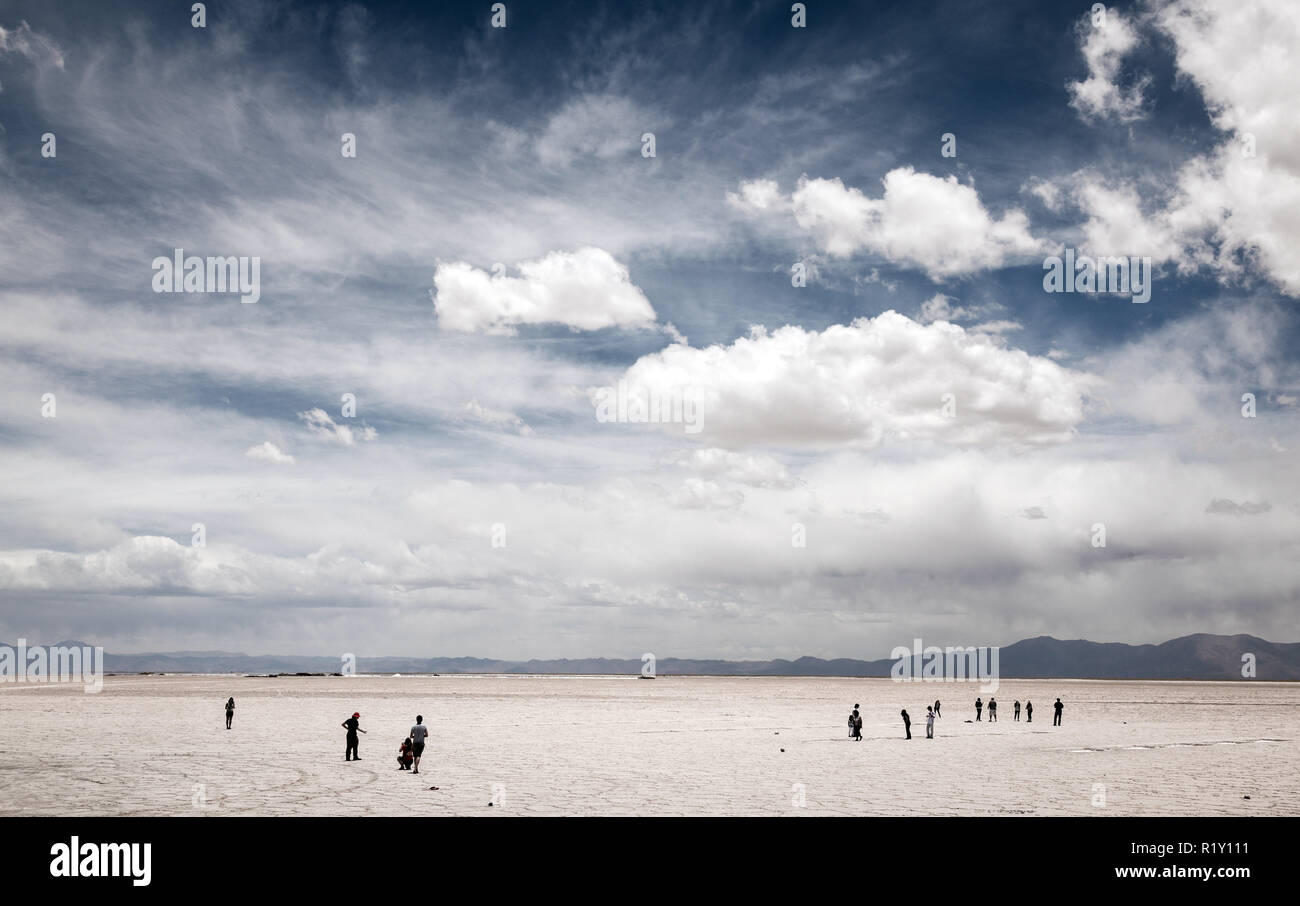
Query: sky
x=819, y=238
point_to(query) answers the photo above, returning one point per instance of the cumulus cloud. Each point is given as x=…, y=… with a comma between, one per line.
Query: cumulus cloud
x=928, y=222
x=585, y=290
x=269, y=452
x=1230, y=210
x=863, y=383
x=759, y=195
x=319, y=423
x=140, y=565
x=1105, y=42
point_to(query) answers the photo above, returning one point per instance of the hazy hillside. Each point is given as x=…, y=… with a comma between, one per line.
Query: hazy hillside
x=1198, y=656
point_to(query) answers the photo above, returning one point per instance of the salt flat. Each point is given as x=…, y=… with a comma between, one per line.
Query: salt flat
x=550, y=745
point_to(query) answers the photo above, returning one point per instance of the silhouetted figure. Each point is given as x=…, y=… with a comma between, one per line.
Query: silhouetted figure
x=979, y=708
x=936, y=708
x=1029, y=711
x=1016, y=710
x=993, y=710
x=907, y=723
x=418, y=734
x=1056, y=720
x=353, y=725
x=855, y=724
x=929, y=723
x=230, y=711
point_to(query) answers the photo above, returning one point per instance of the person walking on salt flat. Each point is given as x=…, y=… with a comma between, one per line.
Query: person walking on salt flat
x=1029, y=711
x=1056, y=721
x=979, y=707
x=230, y=711
x=929, y=723
x=1015, y=714
x=993, y=709
x=907, y=723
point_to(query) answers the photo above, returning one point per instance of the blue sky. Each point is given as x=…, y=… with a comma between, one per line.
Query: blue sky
x=475, y=503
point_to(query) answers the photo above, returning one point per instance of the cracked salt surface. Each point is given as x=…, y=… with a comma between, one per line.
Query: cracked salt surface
x=157, y=745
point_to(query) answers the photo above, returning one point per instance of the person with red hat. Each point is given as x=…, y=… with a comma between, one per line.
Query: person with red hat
x=353, y=725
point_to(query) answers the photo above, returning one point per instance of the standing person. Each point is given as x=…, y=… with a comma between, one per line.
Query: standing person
x=1016, y=710
x=230, y=711
x=418, y=734
x=979, y=707
x=353, y=725
x=936, y=708
x=1029, y=711
x=993, y=709
x=1056, y=720
x=907, y=723
x=929, y=723
x=855, y=725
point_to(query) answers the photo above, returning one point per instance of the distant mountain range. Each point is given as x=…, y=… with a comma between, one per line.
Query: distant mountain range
x=1201, y=656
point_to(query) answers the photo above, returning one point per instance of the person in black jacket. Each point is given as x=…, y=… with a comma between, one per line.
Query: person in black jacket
x=353, y=725
x=1056, y=720
x=907, y=723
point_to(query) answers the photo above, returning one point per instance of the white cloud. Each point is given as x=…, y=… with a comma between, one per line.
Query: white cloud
x=318, y=421
x=1117, y=224
x=603, y=126
x=752, y=469
x=586, y=290
x=269, y=452
x=860, y=384
x=940, y=307
x=758, y=195
x=930, y=222
x=33, y=45
x=496, y=418
x=1104, y=46
x=1227, y=210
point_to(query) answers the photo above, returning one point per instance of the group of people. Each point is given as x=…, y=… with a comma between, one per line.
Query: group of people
x=408, y=755
x=932, y=711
